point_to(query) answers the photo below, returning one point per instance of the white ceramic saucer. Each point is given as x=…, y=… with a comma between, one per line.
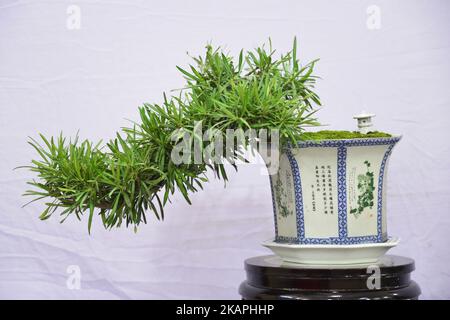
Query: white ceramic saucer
x=331, y=254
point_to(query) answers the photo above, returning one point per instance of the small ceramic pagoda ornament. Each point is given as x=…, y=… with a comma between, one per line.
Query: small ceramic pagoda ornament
x=364, y=122
x=329, y=199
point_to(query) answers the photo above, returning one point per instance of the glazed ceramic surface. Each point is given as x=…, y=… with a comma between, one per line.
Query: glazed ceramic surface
x=332, y=192
x=331, y=254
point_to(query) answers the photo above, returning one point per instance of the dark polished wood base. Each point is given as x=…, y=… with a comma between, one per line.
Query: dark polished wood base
x=269, y=278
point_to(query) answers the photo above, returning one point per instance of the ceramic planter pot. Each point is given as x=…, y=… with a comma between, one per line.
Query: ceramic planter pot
x=332, y=192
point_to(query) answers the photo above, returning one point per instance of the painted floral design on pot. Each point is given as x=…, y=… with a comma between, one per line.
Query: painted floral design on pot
x=332, y=191
x=366, y=188
x=282, y=194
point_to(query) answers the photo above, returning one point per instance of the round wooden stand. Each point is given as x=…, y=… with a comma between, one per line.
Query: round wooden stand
x=269, y=278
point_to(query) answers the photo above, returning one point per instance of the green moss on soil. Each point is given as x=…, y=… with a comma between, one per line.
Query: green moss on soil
x=334, y=135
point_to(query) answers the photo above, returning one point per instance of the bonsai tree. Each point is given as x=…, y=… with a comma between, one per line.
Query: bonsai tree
x=134, y=173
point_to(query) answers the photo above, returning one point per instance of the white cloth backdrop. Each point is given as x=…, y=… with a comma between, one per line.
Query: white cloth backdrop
x=391, y=59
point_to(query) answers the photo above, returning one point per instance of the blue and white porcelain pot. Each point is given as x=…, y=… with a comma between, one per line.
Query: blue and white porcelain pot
x=332, y=192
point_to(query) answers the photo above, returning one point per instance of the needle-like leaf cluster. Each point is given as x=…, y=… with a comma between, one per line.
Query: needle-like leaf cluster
x=134, y=173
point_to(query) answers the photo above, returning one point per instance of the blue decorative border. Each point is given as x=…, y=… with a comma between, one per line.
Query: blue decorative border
x=341, y=146
x=342, y=191
x=298, y=194
x=346, y=142
x=382, y=237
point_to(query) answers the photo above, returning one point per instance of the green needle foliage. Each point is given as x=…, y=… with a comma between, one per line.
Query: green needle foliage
x=258, y=91
x=134, y=173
